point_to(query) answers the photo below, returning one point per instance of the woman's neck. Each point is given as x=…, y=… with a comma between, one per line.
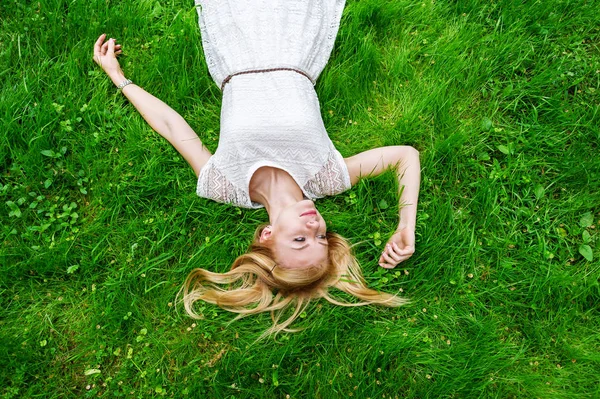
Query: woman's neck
x=275, y=189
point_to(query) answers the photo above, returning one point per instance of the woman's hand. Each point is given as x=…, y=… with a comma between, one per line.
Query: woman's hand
x=105, y=55
x=399, y=248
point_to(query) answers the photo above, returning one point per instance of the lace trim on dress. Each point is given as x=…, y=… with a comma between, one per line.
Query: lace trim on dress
x=333, y=178
x=214, y=185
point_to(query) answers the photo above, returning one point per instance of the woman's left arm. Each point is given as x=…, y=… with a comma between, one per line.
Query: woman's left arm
x=405, y=160
x=162, y=118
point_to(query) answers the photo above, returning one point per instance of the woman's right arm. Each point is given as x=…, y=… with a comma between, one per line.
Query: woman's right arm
x=405, y=161
x=162, y=118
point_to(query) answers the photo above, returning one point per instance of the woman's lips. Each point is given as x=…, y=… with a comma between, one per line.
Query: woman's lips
x=312, y=212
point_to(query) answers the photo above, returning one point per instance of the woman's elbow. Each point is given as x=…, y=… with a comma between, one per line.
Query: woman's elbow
x=408, y=152
x=413, y=151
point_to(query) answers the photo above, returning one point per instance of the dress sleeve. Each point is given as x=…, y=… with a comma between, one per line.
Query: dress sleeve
x=213, y=184
x=333, y=178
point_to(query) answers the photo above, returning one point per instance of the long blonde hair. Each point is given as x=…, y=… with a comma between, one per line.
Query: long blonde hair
x=248, y=287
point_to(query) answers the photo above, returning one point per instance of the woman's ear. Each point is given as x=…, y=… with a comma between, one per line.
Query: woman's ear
x=265, y=234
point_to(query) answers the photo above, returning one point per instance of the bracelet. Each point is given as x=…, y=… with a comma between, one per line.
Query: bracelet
x=124, y=83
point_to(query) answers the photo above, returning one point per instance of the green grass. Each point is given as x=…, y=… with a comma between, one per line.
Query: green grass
x=100, y=223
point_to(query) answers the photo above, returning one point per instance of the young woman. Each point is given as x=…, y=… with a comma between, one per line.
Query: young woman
x=274, y=152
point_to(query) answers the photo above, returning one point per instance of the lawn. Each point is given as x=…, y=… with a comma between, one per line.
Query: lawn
x=100, y=222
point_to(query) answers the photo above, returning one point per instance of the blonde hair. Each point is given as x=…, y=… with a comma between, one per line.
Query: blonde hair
x=248, y=287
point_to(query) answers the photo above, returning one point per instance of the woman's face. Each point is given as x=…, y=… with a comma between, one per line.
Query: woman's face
x=298, y=236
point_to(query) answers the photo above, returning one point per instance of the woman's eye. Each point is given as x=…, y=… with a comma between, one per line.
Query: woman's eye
x=299, y=239
x=322, y=236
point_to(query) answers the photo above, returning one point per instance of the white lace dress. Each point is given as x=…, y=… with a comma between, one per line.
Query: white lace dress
x=270, y=118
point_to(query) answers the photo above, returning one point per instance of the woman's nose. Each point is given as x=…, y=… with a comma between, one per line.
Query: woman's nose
x=313, y=224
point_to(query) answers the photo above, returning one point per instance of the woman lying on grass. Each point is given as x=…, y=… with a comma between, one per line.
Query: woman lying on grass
x=274, y=152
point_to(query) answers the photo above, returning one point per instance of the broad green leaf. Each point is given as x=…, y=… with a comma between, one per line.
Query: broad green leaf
x=562, y=232
x=14, y=209
x=486, y=124
x=483, y=156
x=47, y=183
x=383, y=204
x=586, y=236
x=586, y=251
x=48, y=153
x=539, y=191
x=503, y=149
x=586, y=220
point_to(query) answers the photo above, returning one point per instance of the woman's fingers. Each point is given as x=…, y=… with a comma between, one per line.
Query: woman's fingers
x=389, y=259
x=386, y=262
x=407, y=250
x=111, y=47
x=98, y=47
x=106, y=48
x=99, y=42
x=393, y=254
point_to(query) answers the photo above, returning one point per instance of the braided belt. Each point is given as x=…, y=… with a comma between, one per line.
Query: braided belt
x=228, y=78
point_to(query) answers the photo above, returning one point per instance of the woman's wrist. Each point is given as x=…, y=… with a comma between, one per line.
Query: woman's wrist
x=407, y=220
x=403, y=226
x=117, y=78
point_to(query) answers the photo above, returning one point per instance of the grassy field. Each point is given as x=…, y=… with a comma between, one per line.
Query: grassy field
x=100, y=223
